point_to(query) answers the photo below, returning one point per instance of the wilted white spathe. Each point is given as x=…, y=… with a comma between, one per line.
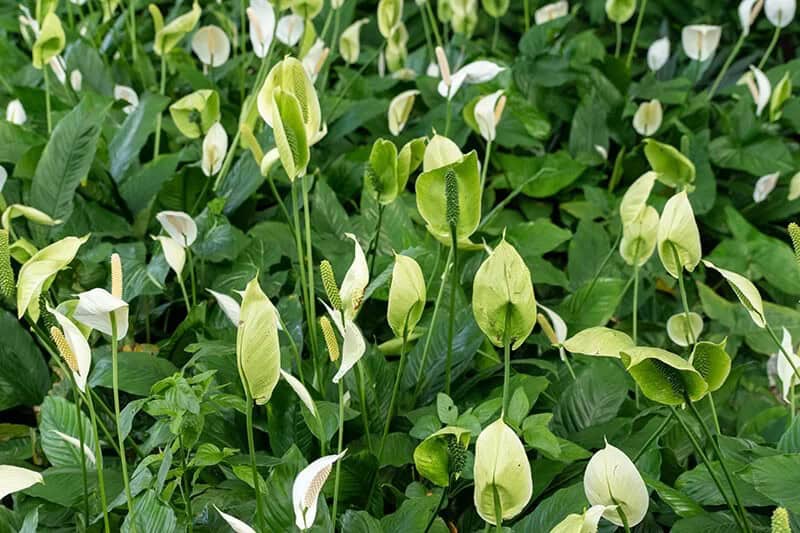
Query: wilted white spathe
x=262, y=26
x=551, y=12
x=780, y=12
x=400, y=109
x=784, y=369
x=236, y=525
x=95, y=309
x=487, y=113
x=748, y=11
x=314, y=59
x=15, y=113
x=229, y=306
x=764, y=186
x=582, y=523
x=211, y=45
x=174, y=253
x=307, y=487
x=648, y=118
x=658, y=54
x=479, y=71
x=76, y=80
x=78, y=345
x=290, y=29
x=700, y=41
x=215, y=146
x=761, y=89
x=72, y=441
x=14, y=479
x=126, y=94
x=179, y=225
x=611, y=479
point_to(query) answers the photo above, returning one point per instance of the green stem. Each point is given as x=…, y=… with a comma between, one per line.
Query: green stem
x=722, y=463
x=132, y=29
x=527, y=8
x=312, y=324
x=45, y=69
x=373, y=246
x=449, y=110
x=684, y=300
x=656, y=434
x=513, y=194
x=395, y=389
x=618, y=47
x=98, y=452
x=434, y=26
x=162, y=89
x=295, y=351
x=339, y=446
x=714, y=413
x=451, y=324
x=428, y=42
x=120, y=439
x=252, y=447
x=182, y=285
x=82, y=440
x=621, y=514
x=498, y=510
x=279, y=200
x=187, y=491
x=192, y=275
x=362, y=393
x=485, y=168
x=352, y=80
x=728, y=62
x=635, y=301
x=639, y=19
x=302, y=270
x=506, y=368
x=772, y=43
x=436, y=510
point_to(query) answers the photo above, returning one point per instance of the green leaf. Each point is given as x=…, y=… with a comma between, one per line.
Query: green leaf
x=130, y=138
x=15, y=141
x=59, y=414
x=777, y=478
x=680, y=503
x=537, y=434
x=203, y=104
x=446, y=409
x=594, y=398
x=151, y=514
x=67, y=158
x=139, y=188
x=138, y=371
x=558, y=171
x=24, y=377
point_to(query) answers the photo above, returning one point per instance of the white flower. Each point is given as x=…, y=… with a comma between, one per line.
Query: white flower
x=602, y=150
x=290, y=29
x=611, y=479
x=764, y=186
x=59, y=66
x=262, y=26
x=79, y=346
x=582, y=523
x=211, y=45
x=236, y=525
x=179, y=225
x=681, y=334
x=551, y=12
x=174, y=253
x=95, y=309
x=15, y=113
x=69, y=439
x=658, y=54
x=355, y=280
x=229, y=306
x=14, y=479
x=559, y=327
x=350, y=41
x=487, y=113
x=3, y=177
x=780, y=12
x=400, y=109
x=307, y=487
x=648, y=118
x=215, y=146
x=784, y=369
x=748, y=11
x=479, y=71
x=315, y=58
x=125, y=93
x=700, y=41
x=353, y=346
x=76, y=80
x=761, y=89
x=432, y=70
x=301, y=391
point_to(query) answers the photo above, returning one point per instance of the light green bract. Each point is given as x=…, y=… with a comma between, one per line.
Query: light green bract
x=204, y=103
x=168, y=37
x=258, y=354
x=599, y=341
x=407, y=295
x=662, y=376
x=50, y=42
x=432, y=457
x=673, y=168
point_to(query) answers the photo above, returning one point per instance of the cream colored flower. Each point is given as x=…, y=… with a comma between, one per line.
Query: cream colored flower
x=211, y=45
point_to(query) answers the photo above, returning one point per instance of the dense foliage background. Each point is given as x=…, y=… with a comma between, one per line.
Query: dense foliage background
x=564, y=153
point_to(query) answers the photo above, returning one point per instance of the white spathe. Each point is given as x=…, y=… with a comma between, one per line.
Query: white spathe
x=780, y=12
x=582, y=523
x=211, y=45
x=764, y=186
x=748, y=11
x=551, y=12
x=400, y=109
x=179, y=225
x=307, y=487
x=700, y=41
x=355, y=280
x=229, y=306
x=15, y=113
x=314, y=58
x=215, y=146
x=97, y=306
x=559, y=327
x=648, y=117
x=262, y=26
x=761, y=91
x=290, y=29
x=784, y=369
x=174, y=253
x=79, y=346
x=126, y=94
x=301, y=391
x=14, y=479
x=76, y=80
x=236, y=525
x=353, y=345
x=658, y=54
x=611, y=479
x=486, y=115
x=476, y=72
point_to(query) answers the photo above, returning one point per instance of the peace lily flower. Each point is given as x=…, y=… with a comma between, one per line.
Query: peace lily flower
x=746, y=292
x=648, y=118
x=211, y=45
x=15, y=113
x=76, y=80
x=215, y=146
x=748, y=12
x=262, y=26
x=168, y=36
x=759, y=86
x=229, y=306
x=658, y=54
x=559, y=329
x=683, y=333
x=174, y=253
x=73, y=347
x=784, y=369
x=290, y=29
x=179, y=226
x=551, y=12
x=315, y=58
x=678, y=236
x=764, y=186
x=781, y=93
x=476, y=72
x=780, y=12
x=582, y=523
x=488, y=112
x=125, y=93
x=307, y=487
x=612, y=480
x=794, y=188
x=400, y=109
x=3, y=177
x=97, y=306
x=236, y=525
x=350, y=41
x=14, y=479
x=620, y=11
x=700, y=41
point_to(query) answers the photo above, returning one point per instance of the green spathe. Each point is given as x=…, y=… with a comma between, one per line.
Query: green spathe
x=712, y=362
x=502, y=297
x=50, y=42
x=258, y=354
x=290, y=77
x=432, y=456
x=204, y=103
x=674, y=168
x=496, y=8
x=167, y=37
x=290, y=135
x=664, y=377
x=390, y=14
x=599, y=341
x=678, y=235
x=620, y=11
x=407, y=296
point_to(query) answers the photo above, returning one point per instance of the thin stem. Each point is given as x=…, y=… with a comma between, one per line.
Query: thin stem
x=639, y=19
x=451, y=325
x=395, y=389
x=252, y=447
x=120, y=439
x=434, y=26
x=301, y=269
x=652, y=438
x=47, y=98
x=187, y=492
x=373, y=246
x=772, y=43
x=279, y=200
x=436, y=510
x=498, y=510
x=162, y=89
x=635, y=301
x=496, y=33
x=728, y=62
x=362, y=393
x=485, y=168
x=312, y=329
x=82, y=440
x=192, y=275
x=339, y=446
x=295, y=351
x=618, y=47
x=449, y=110
x=132, y=29
x=513, y=194
x=621, y=514
x=684, y=301
x=714, y=413
x=182, y=285
x=428, y=43
x=352, y=80
x=98, y=452
x=527, y=8
x=722, y=463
